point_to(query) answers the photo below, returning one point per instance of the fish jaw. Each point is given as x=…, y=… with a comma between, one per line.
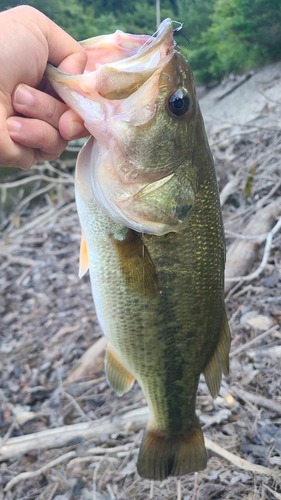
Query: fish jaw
x=122, y=187
x=135, y=207
x=105, y=49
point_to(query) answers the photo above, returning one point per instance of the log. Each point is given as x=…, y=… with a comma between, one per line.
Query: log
x=89, y=364
x=69, y=434
x=242, y=253
x=133, y=420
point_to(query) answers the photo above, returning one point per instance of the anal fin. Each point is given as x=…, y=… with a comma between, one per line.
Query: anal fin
x=162, y=455
x=117, y=376
x=219, y=363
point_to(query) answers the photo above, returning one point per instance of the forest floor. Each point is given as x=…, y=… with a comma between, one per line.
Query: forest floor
x=49, y=448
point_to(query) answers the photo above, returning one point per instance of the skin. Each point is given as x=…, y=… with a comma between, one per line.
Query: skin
x=34, y=124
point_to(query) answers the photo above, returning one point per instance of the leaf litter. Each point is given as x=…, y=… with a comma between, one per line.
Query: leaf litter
x=48, y=322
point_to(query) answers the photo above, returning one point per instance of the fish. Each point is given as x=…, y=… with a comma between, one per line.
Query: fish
x=152, y=235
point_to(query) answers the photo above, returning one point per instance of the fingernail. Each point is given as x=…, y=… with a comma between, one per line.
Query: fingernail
x=76, y=128
x=23, y=96
x=13, y=124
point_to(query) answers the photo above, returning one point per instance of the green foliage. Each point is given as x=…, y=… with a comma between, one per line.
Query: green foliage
x=196, y=16
x=243, y=34
x=219, y=36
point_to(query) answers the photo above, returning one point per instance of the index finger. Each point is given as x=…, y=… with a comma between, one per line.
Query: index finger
x=64, y=51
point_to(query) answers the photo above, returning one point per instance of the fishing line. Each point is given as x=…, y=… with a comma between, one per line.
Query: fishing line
x=157, y=32
x=180, y=31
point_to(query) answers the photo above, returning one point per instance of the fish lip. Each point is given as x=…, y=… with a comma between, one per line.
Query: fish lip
x=165, y=29
x=153, y=56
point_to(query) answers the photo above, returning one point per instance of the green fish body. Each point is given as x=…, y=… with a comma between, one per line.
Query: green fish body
x=153, y=240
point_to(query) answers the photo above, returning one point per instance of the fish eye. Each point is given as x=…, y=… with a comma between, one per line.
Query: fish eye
x=179, y=102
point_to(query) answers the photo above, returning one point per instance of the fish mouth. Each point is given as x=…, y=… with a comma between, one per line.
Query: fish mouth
x=118, y=97
x=136, y=57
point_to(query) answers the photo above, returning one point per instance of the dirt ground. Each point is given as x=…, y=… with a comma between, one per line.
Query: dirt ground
x=48, y=321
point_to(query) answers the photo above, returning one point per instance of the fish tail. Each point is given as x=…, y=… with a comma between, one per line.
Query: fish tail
x=162, y=454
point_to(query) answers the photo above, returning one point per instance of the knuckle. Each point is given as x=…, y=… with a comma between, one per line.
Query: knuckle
x=51, y=142
x=51, y=112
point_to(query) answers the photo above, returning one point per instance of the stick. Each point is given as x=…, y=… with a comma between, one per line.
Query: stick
x=179, y=497
x=274, y=493
x=90, y=363
x=258, y=400
x=265, y=258
x=34, y=473
x=241, y=254
x=41, y=177
x=136, y=419
x=253, y=341
x=238, y=461
x=62, y=436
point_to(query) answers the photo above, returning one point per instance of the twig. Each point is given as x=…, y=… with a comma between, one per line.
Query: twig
x=90, y=363
x=61, y=436
x=54, y=438
x=195, y=487
x=228, y=189
x=258, y=400
x=248, y=237
x=246, y=125
x=98, y=450
x=34, y=223
x=274, y=493
x=265, y=258
x=179, y=497
x=259, y=205
x=72, y=399
x=151, y=493
x=253, y=341
x=92, y=459
x=41, y=177
x=54, y=489
x=238, y=461
x=243, y=396
x=19, y=260
x=9, y=432
x=34, y=473
x=240, y=254
x=95, y=481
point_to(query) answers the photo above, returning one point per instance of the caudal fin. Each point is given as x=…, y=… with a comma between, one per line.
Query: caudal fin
x=164, y=455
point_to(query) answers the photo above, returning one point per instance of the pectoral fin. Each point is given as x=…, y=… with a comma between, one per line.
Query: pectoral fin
x=117, y=376
x=136, y=264
x=219, y=363
x=84, y=257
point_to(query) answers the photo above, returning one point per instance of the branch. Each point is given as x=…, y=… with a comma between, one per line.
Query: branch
x=241, y=254
x=135, y=419
x=34, y=473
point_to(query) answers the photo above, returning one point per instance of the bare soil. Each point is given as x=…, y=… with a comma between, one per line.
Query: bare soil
x=47, y=322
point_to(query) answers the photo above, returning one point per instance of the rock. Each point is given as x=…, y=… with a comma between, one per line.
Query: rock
x=261, y=322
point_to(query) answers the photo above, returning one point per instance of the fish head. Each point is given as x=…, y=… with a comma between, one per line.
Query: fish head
x=139, y=103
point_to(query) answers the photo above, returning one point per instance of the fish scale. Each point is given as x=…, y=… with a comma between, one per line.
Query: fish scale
x=149, y=208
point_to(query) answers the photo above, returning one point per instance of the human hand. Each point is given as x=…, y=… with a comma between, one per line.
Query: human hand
x=34, y=125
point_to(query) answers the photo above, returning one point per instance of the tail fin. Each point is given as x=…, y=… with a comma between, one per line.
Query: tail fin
x=163, y=455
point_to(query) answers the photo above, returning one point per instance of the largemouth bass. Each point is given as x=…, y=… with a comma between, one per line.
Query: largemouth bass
x=153, y=240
